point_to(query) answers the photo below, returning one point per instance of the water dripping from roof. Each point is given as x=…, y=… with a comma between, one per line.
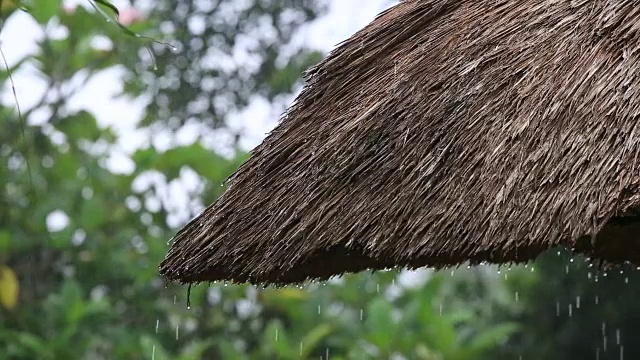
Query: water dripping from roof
x=189, y=297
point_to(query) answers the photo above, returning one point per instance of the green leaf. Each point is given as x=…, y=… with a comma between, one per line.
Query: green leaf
x=93, y=214
x=489, y=338
x=313, y=339
x=82, y=125
x=145, y=159
x=275, y=339
x=201, y=160
x=380, y=324
x=5, y=240
x=109, y=5
x=8, y=288
x=44, y=10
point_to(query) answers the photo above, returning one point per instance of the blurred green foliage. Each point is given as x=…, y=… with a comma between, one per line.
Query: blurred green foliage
x=80, y=242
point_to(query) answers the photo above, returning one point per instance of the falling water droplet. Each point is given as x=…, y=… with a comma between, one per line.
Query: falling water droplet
x=517, y=296
x=157, y=325
x=300, y=348
x=557, y=308
x=361, y=314
x=597, y=300
x=276, y=334
x=153, y=353
x=440, y=309
x=189, y=297
x=578, y=302
x=570, y=310
x=177, y=332
x=617, y=336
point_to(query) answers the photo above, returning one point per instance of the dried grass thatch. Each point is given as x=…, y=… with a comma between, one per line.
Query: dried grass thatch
x=445, y=131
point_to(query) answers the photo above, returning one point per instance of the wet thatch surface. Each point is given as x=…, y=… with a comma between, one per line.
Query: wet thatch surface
x=445, y=131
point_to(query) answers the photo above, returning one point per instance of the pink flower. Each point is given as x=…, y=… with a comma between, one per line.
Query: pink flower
x=130, y=16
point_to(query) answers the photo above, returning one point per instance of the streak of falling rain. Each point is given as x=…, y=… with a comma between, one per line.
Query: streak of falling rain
x=153, y=353
x=578, y=302
x=326, y=353
x=361, y=314
x=318, y=309
x=598, y=354
x=597, y=300
x=157, y=325
x=378, y=287
x=440, y=309
x=517, y=296
x=557, y=308
x=621, y=352
x=276, y=335
x=300, y=348
x=177, y=332
x=570, y=310
x=617, y=336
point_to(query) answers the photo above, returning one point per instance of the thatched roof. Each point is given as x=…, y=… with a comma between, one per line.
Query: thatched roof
x=445, y=131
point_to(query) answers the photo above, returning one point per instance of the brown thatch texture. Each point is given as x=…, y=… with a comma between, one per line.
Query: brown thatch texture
x=445, y=131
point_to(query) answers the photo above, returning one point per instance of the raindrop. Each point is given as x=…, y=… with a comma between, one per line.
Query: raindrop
x=157, y=325
x=577, y=302
x=318, y=309
x=174, y=299
x=177, y=332
x=617, y=336
x=570, y=310
x=300, y=348
x=440, y=309
x=626, y=280
x=378, y=288
x=276, y=334
x=597, y=300
x=189, y=297
x=153, y=353
x=361, y=314
x=517, y=296
x=566, y=269
x=326, y=353
x=621, y=352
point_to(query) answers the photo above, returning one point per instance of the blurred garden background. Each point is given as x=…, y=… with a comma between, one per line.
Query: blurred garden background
x=93, y=186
